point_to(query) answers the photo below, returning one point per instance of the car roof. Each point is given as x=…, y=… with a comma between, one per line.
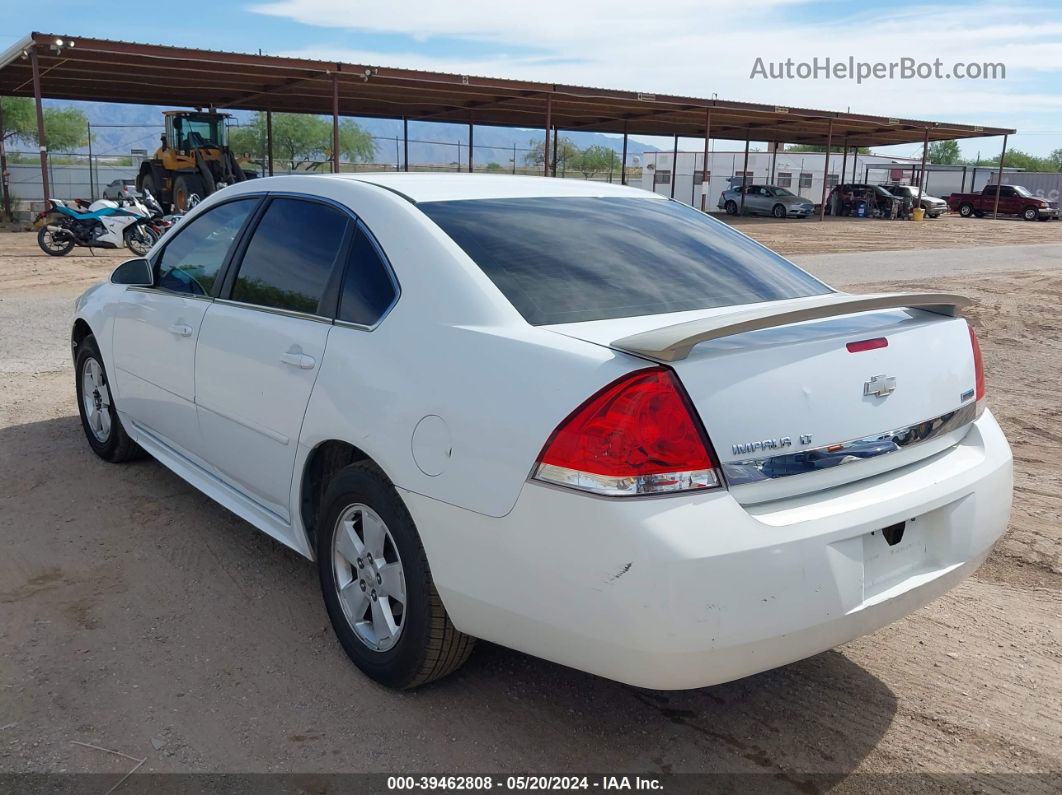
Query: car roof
x=427, y=187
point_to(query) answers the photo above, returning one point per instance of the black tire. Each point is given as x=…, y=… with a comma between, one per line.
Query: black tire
x=731, y=207
x=116, y=446
x=187, y=192
x=778, y=211
x=966, y=210
x=1030, y=214
x=428, y=646
x=52, y=247
x=139, y=238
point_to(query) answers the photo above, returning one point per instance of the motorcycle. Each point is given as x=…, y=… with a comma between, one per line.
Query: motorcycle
x=158, y=222
x=106, y=224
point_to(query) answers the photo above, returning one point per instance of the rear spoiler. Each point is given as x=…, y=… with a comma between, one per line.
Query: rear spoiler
x=673, y=343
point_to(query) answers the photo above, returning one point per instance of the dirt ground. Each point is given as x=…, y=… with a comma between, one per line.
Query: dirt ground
x=836, y=235
x=139, y=616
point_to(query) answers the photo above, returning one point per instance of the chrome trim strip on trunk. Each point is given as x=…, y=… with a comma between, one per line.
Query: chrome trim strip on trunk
x=814, y=459
x=673, y=343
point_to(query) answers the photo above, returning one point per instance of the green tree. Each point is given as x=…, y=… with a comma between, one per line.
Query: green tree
x=355, y=144
x=1055, y=159
x=567, y=151
x=493, y=167
x=945, y=153
x=1015, y=158
x=300, y=140
x=66, y=128
x=247, y=141
x=592, y=160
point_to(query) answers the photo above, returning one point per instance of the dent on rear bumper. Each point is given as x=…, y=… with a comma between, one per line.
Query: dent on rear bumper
x=682, y=592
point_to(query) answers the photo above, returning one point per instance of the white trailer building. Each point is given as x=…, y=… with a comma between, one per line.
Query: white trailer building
x=800, y=172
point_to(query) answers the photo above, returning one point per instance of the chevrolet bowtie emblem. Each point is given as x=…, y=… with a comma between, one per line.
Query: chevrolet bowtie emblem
x=879, y=386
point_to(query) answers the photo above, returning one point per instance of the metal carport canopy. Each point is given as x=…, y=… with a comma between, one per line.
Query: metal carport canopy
x=148, y=74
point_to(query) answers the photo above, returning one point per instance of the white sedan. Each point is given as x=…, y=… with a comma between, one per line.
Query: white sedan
x=578, y=420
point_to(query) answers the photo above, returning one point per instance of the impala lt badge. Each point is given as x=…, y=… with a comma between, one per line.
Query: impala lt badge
x=879, y=386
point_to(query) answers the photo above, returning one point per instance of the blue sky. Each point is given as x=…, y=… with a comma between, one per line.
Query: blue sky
x=690, y=47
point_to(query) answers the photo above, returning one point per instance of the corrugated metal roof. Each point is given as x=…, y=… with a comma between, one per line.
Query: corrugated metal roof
x=129, y=72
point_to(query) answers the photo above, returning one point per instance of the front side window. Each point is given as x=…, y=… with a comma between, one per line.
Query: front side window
x=572, y=259
x=192, y=259
x=291, y=255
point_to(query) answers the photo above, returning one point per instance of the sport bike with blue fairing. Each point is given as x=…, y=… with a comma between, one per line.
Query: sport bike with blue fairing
x=106, y=224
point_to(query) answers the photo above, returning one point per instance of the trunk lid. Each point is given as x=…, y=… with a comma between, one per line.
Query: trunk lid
x=791, y=410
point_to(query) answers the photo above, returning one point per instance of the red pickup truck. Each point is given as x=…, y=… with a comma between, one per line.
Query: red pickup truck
x=1013, y=200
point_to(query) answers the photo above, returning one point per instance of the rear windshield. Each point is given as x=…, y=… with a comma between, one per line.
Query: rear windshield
x=570, y=259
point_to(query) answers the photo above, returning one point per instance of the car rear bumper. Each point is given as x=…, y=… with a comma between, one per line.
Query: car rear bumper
x=682, y=592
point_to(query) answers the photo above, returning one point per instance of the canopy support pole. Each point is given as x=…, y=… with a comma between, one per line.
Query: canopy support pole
x=674, y=166
x=269, y=142
x=704, y=162
x=549, y=127
x=42, y=139
x=745, y=174
x=999, y=176
x=826, y=170
x=335, y=122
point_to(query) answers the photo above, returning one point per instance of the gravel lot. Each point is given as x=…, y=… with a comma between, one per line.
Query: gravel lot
x=137, y=615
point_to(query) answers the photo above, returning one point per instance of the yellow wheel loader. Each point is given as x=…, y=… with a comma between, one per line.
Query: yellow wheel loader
x=193, y=161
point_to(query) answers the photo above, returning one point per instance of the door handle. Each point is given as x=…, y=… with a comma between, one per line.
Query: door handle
x=300, y=360
x=181, y=330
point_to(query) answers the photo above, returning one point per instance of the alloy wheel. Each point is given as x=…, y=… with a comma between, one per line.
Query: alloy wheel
x=96, y=400
x=369, y=579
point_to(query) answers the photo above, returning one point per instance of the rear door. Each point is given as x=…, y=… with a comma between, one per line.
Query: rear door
x=262, y=343
x=156, y=328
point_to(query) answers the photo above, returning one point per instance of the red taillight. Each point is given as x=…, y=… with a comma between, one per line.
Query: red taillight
x=979, y=369
x=636, y=436
x=867, y=345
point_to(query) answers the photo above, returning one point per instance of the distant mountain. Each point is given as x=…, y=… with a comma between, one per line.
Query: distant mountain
x=117, y=129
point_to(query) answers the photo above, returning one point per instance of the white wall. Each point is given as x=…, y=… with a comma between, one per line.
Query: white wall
x=723, y=165
x=65, y=182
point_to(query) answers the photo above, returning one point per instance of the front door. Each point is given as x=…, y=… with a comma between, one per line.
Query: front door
x=261, y=347
x=156, y=328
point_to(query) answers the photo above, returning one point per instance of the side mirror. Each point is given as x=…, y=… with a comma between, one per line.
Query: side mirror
x=135, y=273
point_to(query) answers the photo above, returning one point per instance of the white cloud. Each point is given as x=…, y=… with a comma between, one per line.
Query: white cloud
x=696, y=48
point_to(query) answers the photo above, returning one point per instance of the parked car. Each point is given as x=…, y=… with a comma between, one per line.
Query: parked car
x=865, y=200
x=934, y=206
x=766, y=200
x=1013, y=200
x=119, y=189
x=575, y=419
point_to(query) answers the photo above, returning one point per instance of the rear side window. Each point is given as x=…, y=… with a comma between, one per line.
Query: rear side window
x=291, y=255
x=367, y=289
x=571, y=259
x=191, y=261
